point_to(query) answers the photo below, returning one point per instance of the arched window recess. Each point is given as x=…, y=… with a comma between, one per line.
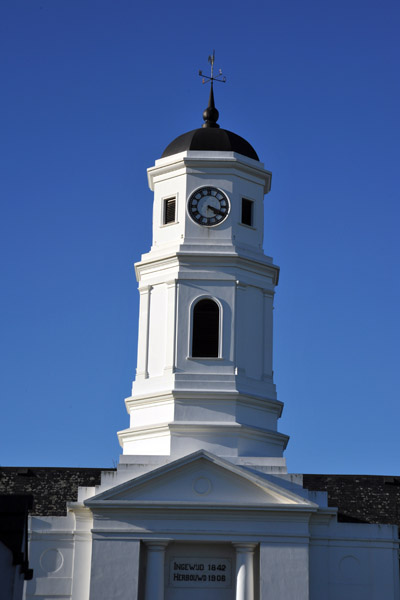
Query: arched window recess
x=206, y=318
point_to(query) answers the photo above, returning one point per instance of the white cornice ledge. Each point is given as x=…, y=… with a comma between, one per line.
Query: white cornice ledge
x=163, y=397
x=183, y=428
x=204, y=160
x=225, y=507
x=178, y=256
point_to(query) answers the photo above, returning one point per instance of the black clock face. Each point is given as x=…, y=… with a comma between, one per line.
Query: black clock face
x=208, y=206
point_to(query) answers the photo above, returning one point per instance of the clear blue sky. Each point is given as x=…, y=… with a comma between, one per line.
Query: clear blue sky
x=92, y=92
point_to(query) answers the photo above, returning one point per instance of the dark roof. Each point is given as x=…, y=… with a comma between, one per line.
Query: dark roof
x=210, y=138
x=360, y=498
x=50, y=487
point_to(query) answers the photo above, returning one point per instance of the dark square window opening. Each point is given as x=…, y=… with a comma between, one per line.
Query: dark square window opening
x=169, y=210
x=247, y=212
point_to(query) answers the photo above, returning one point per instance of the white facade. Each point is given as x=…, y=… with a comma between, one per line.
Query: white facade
x=201, y=502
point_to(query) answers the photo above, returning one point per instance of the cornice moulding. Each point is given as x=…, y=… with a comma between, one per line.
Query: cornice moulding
x=196, y=535
x=184, y=428
x=194, y=506
x=183, y=162
x=274, y=406
x=260, y=266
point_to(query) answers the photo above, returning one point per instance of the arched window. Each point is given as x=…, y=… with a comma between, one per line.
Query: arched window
x=205, y=338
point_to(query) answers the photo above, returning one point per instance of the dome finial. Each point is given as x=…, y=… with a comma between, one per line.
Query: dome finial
x=211, y=114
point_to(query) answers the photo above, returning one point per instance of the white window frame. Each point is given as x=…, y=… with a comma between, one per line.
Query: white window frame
x=253, y=202
x=220, y=326
x=164, y=200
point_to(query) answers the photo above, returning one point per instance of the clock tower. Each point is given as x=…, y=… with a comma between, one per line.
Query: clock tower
x=204, y=378
x=201, y=503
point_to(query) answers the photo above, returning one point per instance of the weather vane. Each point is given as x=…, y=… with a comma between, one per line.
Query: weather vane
x=220, y=77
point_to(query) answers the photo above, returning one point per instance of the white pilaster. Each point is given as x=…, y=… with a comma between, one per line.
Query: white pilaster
x=154, y=589
x=268, y=301
x=143, y=337
x=244, y=571
x=82, y=553
x=239, y=348
x=171, y=327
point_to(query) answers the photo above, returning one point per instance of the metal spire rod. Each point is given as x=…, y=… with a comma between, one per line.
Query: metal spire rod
x=220, y=77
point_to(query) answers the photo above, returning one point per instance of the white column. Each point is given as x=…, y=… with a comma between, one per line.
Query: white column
x=155, y=570
x=244, y=571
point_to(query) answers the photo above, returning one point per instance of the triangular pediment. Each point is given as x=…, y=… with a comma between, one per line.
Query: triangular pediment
x=199, y=479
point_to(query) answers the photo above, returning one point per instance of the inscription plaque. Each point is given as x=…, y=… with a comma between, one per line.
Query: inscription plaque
x=200, y=571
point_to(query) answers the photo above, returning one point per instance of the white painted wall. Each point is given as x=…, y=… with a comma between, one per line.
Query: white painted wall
x=115, y=568
x=284, y=570
x=157, y=330
x=354, y=561
x=51, y=556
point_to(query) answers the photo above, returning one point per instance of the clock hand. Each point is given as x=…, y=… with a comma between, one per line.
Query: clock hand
x=215, y=210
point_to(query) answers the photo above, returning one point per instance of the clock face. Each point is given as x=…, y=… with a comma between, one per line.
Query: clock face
x=208, y=206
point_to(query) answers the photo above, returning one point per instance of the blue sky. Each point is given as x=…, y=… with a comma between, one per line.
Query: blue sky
x=92, y=92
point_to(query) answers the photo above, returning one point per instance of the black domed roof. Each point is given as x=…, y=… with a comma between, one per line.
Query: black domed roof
x=210, y=137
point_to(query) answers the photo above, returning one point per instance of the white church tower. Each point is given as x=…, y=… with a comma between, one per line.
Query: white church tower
x=201, y=504
x=204, y=378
